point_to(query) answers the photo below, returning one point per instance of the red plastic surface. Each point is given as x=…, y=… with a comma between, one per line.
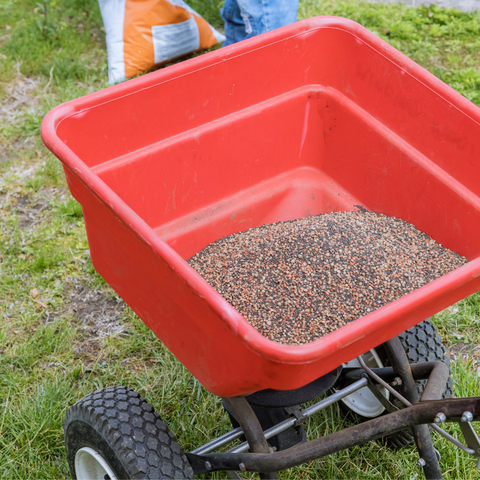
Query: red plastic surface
x=315, y=117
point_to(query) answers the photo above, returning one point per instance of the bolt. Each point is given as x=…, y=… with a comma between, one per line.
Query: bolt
x=421, y=462
x=440, y=418
x=242, y=467
x=467, y=417
x=397, y=381
x=208, y=465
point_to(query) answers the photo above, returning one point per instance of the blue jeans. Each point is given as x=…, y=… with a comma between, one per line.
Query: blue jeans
x=247, y=18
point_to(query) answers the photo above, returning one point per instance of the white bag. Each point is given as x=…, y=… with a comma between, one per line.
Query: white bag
x=142, y=34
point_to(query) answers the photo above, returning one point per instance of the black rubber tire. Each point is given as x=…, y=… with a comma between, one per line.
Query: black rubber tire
x=124, y=429
x=422, y=343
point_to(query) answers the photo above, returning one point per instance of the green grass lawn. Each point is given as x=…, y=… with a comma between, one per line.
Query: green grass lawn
x=65, y=333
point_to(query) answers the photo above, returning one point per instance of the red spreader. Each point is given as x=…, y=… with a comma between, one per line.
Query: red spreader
x=315, y=117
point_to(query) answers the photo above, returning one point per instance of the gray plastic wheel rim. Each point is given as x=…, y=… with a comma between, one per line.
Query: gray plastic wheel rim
x=90, y=465
x=363, y=402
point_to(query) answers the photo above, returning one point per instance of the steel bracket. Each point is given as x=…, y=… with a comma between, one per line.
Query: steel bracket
x=471, y=439
x=297, y=413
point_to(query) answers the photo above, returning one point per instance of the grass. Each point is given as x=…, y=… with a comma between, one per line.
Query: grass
x=51, y=351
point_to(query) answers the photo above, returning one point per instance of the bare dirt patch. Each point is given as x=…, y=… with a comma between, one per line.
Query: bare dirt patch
x=12, y=149
x=29, y=210
x=5, y=153
x=96, y=313
x=21, y=95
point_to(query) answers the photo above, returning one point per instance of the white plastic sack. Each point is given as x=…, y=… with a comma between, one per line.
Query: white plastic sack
x=142, y=34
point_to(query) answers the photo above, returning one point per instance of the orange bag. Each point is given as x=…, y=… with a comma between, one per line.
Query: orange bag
x=142, y=34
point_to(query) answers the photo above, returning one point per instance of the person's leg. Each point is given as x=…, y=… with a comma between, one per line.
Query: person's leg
x=247, y=18
x=234, y=24
x=260, y=16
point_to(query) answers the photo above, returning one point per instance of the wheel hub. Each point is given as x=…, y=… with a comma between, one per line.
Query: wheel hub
x=90, y=465
x=363, y=402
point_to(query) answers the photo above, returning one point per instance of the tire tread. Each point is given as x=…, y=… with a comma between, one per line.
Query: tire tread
x=422, y=343
x=140, y=439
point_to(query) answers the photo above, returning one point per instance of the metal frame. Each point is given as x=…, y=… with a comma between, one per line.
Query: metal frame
x=416, y=414
x=419, y=414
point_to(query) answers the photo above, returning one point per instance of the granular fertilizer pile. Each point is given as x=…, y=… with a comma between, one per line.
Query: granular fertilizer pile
x=296, y=281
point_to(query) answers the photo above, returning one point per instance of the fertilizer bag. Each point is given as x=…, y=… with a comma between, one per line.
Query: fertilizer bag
x=142, y=34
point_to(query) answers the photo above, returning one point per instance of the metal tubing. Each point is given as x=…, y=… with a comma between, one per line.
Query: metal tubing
x=335, y=397
x=352, y=374
x=290, y=422
x=219, y=442
x=458, y=444
x=280, y=427
x=245, y=416
x=398, y=358
x=372, y=374
x=427, y=452
x=253, y=431
x=418, y=414
x=420, y=371
x=408, y=404
x=436, y=373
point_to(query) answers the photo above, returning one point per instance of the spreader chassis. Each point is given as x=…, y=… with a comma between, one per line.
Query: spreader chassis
x=417, y=414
